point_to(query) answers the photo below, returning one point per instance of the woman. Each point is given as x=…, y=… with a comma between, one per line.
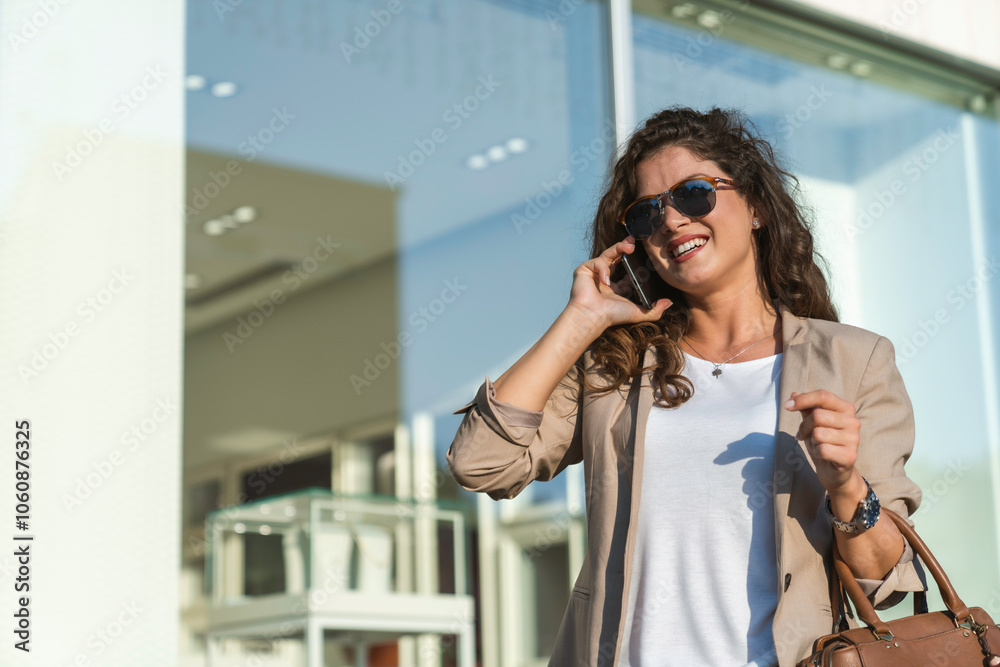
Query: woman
x=738, y=409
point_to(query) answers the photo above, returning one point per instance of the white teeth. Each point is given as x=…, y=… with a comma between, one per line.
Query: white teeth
x=684, y=247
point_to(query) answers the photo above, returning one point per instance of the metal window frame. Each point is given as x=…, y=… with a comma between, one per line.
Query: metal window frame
x=810, y=36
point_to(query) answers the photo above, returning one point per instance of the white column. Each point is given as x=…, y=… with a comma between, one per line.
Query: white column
x=984, y=298
x=425, y=483
x=404, y=535
x=91, y=323
x=353, y=467
x=489, y=580
x=622, y=69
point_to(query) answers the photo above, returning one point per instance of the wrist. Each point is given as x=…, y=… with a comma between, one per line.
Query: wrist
x=588, y=324
x=845, y=499
x=865, y=514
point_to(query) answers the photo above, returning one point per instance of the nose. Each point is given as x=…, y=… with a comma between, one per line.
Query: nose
x=671, y=219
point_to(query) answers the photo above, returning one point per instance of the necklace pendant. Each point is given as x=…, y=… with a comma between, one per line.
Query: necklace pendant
x=718, y=371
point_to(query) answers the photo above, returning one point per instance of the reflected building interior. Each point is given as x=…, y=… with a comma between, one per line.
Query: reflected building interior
x=376, y=220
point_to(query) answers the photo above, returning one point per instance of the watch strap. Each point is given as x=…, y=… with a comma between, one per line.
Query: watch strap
x=866, y=516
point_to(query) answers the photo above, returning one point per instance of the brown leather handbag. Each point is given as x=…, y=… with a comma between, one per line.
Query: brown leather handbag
x=958, y=636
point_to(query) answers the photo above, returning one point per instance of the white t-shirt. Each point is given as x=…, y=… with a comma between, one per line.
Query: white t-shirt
x=704, y=580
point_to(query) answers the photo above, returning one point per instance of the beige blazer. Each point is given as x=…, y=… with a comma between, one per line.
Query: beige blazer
x=500, y=448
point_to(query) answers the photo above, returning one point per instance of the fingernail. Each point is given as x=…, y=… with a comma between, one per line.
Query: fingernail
x=607, y=281
x=790, y=403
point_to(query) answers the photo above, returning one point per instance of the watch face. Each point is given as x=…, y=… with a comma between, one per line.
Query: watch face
x=871, y=512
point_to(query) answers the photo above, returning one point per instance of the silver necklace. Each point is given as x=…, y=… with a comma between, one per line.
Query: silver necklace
x=718, y=367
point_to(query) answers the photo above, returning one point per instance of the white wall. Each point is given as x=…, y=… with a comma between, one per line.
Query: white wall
x=965, y=28
x=91, y=263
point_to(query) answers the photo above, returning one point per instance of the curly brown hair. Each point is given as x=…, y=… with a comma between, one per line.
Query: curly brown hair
x=789, y=272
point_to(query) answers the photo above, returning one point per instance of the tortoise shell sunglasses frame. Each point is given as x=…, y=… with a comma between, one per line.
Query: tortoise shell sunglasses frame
x=645, y=214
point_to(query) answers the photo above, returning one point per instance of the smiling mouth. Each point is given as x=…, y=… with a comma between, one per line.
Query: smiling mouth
x=686, y=248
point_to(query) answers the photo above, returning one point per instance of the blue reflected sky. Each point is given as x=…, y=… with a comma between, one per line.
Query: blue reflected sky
x=457, y=226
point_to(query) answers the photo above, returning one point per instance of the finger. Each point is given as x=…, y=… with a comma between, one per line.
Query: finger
x=835, y=436
x=622, y=287
x=819, y=398
x=626, y=245
x=835, y=455
x=605, y=262
x=600, y=268
x=834, y=419
x=805, y=428
x=656, y=311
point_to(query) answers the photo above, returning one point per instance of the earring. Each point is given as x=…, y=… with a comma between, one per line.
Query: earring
x=756, y=223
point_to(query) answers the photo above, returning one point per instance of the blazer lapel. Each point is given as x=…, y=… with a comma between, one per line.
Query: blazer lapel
x=632, y=416
x=796, y=352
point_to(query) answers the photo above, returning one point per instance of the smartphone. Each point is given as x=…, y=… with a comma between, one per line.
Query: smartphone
x=638, y=268
x=636, y=274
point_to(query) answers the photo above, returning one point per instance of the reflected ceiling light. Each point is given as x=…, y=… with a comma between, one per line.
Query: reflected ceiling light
x=214, y=228
x=229, y=221
x=240, y=528
x=192, y=281
x=290, y=510
x=496, y=153
x=516, y=145
x=265, y=509
x=224, y=89
x=861, y=68
x=477, y=162
x=265, y=530
x=245, y=214
x=978, y=103
x=684, y=10
x=709, y=19
x=838, y=60
x=194, y=82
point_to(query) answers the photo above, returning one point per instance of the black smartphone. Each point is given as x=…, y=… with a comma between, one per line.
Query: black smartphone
x=637, y=267
x=635, y=274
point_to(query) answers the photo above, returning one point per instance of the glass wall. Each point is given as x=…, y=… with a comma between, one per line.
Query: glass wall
x=904, y=212
x=386, y=202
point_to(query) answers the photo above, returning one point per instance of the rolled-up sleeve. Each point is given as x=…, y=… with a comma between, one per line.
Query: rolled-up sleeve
x=887, y=435
x=906, y=576
x=500, y=448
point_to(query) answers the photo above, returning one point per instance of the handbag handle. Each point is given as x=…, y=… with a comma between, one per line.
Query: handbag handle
x=864, y=608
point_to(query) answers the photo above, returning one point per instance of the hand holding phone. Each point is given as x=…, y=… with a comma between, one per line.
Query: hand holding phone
x=600, y=290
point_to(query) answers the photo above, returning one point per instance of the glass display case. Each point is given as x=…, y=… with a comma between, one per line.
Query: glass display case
x=319, y=568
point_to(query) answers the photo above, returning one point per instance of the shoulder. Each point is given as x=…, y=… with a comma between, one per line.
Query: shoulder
x=836, y=345
x=839, y=336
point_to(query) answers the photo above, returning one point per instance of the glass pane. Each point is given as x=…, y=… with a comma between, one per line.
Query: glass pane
x=908, y=224
x=263, y=564
x=278, y=477
x=550, y=593
x=201, y=499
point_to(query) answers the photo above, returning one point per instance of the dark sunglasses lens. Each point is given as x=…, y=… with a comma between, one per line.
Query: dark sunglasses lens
x=642, y=217
x=695, y=198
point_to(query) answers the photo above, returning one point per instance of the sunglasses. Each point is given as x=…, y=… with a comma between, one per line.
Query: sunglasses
x=694, y=197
